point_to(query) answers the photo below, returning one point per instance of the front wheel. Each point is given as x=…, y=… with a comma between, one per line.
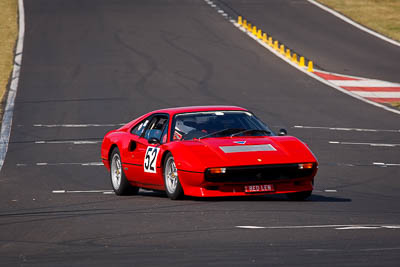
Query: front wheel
x=299, y=196
x=172, y=185
x=119, y=182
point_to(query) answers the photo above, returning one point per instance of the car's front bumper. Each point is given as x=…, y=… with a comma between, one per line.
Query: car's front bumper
x=195, y=184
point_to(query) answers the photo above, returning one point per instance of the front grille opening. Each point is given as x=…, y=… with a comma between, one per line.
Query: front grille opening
x=259, y=173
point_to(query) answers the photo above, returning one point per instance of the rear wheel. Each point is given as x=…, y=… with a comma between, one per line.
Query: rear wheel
x=172, y=184
x=299, y=196
x=119, y=182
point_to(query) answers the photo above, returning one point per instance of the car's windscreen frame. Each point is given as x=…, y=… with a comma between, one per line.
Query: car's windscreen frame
x=261, y=124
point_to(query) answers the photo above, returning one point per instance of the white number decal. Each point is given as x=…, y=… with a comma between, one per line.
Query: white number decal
x=150, y=159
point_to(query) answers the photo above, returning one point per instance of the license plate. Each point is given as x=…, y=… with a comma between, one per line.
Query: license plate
x=258, y=188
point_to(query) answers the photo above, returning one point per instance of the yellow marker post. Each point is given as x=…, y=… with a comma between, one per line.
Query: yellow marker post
x=301, y=62
x=310, y=66
x=265, y=39
x=249, y=27
x=294, y=58
x=276, y=45
x=240, y=21
x=254, y=30
x=244, y=24
x=259, y=34
x=288, y=53
x=270, y=41
x=282, y=49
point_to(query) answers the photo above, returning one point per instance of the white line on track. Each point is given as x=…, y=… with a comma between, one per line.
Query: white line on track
x=89, y=164
x=382, y=164
x=250, y=227
x=345, y=129
x=82, y=191
x=329, y=226
x=357, y=227
x=74, y=142
x=355, y=24
x=104, y=192
x=367, y=144
x=9, y=109
x=77, y=125
x=325, y=190
x=374, y=164
x=348, y=164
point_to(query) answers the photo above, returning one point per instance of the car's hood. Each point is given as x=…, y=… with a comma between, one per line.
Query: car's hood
x=220, y=152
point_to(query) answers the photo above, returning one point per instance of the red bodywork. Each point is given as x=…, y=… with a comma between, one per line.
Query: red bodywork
x=194, y=157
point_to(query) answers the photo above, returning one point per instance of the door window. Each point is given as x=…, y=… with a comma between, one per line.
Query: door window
x=156, y=127
x=139, y=129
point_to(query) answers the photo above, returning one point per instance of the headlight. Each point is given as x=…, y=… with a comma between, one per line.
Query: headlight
x=217, y=170
x=303, y=166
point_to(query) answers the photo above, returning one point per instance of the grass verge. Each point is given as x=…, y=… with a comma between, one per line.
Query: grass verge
x=8, y=36
x=382, y=16
x=395, y=104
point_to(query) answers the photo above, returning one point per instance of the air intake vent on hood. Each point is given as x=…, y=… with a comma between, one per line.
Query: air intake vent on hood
x=250, y=148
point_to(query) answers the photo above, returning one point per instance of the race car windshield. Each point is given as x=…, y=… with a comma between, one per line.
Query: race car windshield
x=199, y=125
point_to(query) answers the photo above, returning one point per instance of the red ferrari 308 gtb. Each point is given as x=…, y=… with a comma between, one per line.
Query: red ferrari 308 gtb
x=209, y=151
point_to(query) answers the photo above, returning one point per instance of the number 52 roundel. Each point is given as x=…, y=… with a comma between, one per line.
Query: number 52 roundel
x=150, y=159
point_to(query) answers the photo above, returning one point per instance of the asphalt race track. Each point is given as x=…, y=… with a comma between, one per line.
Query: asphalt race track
x=96, y=64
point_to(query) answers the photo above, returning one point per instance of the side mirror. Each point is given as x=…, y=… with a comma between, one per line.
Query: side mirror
x=282, y=132
x=154, y=141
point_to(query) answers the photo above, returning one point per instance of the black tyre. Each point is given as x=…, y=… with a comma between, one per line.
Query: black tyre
x=119, y=182
x=299, y=196
x=172, y=184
